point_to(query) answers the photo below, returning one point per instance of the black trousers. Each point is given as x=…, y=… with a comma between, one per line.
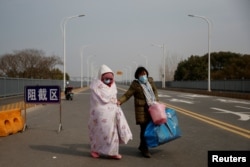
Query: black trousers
x=143, y=144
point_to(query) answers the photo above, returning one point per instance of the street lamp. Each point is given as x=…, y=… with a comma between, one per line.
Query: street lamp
x=63, y=26
x=83, y=47
x=209, y=26
x=126, y=75
x=93, y=70
x=88, y=67
x=130, y=74
x=163, y=64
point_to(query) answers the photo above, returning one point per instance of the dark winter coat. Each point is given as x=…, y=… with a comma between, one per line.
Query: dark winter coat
x=141, y=108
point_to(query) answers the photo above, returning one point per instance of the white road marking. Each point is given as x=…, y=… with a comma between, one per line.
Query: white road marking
x=193, y=96
x=182, y=101
x=243, y=107
x=162, y=95
x=243, y=116
x=186, y=97
x=233, y=101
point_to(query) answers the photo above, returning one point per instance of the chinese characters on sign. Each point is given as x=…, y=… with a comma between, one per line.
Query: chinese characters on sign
x=42, y=94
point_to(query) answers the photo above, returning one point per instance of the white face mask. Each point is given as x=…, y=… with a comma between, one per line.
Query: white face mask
x=107, y=81
x=143, y=78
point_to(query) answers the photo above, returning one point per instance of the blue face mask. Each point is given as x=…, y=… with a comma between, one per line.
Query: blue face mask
x=143, y=79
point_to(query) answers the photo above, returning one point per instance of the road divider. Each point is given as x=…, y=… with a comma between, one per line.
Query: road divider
x=11, y=121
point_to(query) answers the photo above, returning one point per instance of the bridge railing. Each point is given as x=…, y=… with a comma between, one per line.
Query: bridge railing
x=15, y=86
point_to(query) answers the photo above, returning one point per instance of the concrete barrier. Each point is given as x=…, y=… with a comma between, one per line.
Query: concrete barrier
x=11, y=121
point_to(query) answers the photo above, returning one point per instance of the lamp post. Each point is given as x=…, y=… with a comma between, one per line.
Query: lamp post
x=83, y=47
x=88, y=67
x=63, y=26
x=126, y=80
x=163, y=64
x=130, y=74
x=94, y=71
x=209, y=27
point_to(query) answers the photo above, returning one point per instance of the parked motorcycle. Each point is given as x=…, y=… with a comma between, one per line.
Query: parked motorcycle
x=68, y=93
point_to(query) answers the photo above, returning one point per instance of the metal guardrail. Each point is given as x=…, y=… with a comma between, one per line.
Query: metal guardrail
x=15, y=86
x=242, y=86
x=21, y=104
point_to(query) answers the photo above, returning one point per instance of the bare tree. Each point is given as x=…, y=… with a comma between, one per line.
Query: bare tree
x=172, y=62
x=29, y=63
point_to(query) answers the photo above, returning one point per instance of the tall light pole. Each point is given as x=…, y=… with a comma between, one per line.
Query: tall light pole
x=209, y=27
x=83, y=47
x=126, y=75
x=163, y=65
x=63, y=26
x=88, y=67
x=130, y=74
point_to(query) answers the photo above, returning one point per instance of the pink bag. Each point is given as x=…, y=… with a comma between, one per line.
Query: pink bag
x=158, y=114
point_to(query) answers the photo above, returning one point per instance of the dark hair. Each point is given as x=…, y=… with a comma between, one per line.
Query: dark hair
x=139, y=70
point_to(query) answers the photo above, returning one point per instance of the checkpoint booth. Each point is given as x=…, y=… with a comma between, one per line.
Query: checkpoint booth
x=43, y=95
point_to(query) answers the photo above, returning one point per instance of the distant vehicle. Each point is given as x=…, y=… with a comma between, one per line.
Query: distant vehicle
x=68, y=93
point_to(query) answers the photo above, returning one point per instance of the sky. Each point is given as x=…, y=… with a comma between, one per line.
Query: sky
x=120, y=33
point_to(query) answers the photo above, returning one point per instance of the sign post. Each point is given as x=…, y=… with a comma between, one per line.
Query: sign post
x=43, y=95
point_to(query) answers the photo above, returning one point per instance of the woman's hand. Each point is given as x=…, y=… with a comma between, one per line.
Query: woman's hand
x=118, y=103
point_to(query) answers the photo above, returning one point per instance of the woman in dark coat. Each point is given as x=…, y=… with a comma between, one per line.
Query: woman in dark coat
x=142, y=99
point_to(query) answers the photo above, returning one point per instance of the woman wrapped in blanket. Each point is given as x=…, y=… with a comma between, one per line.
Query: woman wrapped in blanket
x=107, y=124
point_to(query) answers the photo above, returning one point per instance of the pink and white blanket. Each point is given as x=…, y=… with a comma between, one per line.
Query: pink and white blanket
x=107, y=124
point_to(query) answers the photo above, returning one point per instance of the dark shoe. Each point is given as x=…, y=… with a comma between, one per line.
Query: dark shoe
x=145, y=153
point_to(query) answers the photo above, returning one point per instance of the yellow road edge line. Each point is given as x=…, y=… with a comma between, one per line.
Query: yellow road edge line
x=216, y=124
x=211, y=119
x=223, y=125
